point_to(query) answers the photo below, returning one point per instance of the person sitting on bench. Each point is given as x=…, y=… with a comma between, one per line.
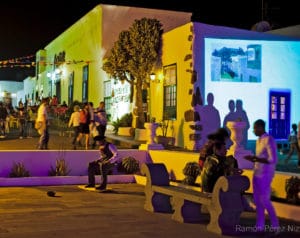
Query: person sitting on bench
x=217, y=165
x=108, y=159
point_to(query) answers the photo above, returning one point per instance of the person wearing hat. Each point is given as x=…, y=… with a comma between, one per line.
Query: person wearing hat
x=108, y=159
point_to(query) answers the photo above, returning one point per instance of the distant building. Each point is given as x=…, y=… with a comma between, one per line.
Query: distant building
x=11, y=92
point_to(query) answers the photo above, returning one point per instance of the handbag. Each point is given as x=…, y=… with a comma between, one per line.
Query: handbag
x=95, y=132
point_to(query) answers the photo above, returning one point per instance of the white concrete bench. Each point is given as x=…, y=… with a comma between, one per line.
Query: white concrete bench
x=224, y=204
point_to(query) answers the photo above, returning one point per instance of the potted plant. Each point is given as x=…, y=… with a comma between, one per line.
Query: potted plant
x=163, y=138
x=129, y=165
x=123, y=126
x=60, y=169
x=18, y=170
x=191, y=172
x=292, y=188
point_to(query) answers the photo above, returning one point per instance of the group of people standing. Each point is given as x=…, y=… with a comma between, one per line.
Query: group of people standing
x=87, y=123
x=23, y=116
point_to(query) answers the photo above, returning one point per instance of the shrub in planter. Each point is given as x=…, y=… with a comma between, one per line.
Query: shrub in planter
x=191, y=172
x=292, y=188
x=124, y=121
x=18, y=170
x=130, y=165
x=60, y=169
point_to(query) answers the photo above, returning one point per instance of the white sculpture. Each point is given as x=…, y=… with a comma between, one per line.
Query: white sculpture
x=150, y=134
x=237, y=150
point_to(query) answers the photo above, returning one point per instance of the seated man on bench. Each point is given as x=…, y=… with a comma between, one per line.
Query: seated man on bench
x=108, y=159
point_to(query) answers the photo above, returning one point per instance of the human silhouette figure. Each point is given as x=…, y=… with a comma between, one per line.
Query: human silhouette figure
x=229, y=117
x=241, y=115
x=210, y=117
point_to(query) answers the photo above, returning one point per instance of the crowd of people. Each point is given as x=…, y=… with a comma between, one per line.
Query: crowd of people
x=88, y=123
x=22, y=117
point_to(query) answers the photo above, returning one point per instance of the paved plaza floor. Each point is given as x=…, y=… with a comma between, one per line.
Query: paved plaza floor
x=73, y=212
x=29, y=212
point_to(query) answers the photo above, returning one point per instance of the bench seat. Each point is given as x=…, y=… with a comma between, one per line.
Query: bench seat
x=224, y=205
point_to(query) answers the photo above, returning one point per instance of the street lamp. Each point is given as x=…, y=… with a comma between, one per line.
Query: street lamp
x=152, y=76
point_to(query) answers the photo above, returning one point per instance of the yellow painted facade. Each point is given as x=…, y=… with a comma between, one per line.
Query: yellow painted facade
x=87, y=42
x=79, y=46
x=176, y=46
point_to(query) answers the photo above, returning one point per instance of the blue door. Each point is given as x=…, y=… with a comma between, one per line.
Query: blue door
x=279, y=114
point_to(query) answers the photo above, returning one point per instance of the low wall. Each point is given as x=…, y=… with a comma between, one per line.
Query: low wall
x=174, y=161
x=39, y=162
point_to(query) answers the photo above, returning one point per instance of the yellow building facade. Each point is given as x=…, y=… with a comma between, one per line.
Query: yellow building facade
x=70, y=66
x=177, y=58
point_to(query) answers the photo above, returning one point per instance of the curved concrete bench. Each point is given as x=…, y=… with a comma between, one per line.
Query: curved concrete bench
x=224, y=204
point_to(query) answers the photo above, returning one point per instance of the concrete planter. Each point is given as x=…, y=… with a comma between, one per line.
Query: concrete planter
x=165, y=140
x=140, y=134
x=125, y=131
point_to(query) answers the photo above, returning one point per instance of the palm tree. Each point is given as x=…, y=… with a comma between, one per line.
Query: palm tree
x=133, y=57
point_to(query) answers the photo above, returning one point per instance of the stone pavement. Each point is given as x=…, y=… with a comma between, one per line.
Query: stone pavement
x=56, y=141
x=29, y=212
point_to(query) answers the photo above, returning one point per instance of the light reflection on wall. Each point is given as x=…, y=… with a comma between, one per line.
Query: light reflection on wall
x=280, y=70
x=120, y=99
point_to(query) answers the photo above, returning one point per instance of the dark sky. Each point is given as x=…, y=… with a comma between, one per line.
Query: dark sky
x=27, y=26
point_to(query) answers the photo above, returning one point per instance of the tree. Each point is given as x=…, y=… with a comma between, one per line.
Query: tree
x=133, y=57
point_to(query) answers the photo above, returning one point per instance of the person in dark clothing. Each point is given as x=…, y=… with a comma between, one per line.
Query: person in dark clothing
x=221, y=135
x=217, y=165
x=102, y=166
x=3, y=115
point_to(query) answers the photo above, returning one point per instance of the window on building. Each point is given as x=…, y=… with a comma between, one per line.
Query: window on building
x=170, y=92
x=50, y=85
x=107, y=98
x=85, y=77
x=71, y=88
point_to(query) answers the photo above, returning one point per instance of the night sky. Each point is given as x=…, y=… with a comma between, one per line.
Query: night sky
x=27, y=26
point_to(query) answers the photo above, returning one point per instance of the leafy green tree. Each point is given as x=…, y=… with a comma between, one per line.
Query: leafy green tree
x=133, y=57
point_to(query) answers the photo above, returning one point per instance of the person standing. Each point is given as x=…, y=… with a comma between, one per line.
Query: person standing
x=31, y=116
x=75, y=123
x=108, y=159
x=293, y=141
x=42, y=124
x=22, y=116
x=3, y=115
x=265, y=160
x=84, y=122
x=100, y=122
